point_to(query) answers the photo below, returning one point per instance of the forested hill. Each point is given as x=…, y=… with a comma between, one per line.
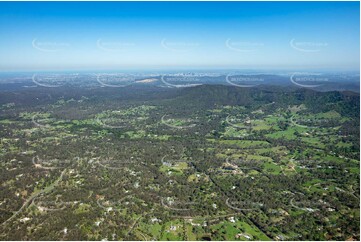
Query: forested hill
x=346, y=103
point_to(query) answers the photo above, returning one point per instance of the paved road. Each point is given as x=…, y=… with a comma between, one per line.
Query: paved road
x=34, y=195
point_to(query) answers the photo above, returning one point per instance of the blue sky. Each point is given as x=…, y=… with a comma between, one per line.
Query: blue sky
x=170, y=35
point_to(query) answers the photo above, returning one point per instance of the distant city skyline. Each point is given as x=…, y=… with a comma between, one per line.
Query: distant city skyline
x=179, y=35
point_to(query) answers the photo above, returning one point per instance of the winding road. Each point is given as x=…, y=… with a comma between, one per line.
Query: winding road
x=34, y=195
